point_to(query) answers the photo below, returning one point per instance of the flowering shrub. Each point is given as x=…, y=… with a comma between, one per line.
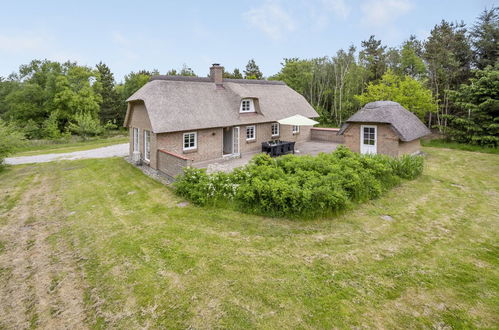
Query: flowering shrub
x=300, y=185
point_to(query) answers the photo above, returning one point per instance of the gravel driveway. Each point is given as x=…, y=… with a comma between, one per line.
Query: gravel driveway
x=117, y=150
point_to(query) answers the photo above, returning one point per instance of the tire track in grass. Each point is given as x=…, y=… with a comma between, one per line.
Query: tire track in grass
x=42, y=286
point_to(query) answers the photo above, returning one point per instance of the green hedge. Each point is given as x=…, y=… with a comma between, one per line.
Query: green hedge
x=299, y=185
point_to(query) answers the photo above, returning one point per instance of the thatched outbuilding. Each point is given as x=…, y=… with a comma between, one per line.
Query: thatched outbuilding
x=384, y=127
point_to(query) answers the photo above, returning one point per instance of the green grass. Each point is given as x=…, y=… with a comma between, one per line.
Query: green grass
x=150, y=263
x=441, y=143
x=49, y=147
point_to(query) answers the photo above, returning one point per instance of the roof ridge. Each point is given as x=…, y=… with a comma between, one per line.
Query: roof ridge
x=207, y=79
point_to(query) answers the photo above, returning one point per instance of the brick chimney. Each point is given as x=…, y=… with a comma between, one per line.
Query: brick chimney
x=217, y=73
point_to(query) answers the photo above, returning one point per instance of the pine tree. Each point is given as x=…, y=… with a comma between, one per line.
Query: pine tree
x=236, y=74
x=477, y=122
x=485, y=38
x=252, y=71
x=448, y=56
x=411, y=58
x=111, y=108
x=373, y=57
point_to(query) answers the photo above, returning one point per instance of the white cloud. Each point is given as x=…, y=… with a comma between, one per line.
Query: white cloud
x=383, y=12
x=338, y=7
x=14, y=44
x=322, y=11
x=272, y=19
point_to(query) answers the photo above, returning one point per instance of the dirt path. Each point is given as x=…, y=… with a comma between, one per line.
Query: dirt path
x=41, y=285
x=117, y=150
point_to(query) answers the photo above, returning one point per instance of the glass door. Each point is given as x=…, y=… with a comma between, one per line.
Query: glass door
x=368, y=139
x=235, y=140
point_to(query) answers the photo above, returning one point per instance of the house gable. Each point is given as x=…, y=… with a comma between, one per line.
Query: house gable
x=137, y=116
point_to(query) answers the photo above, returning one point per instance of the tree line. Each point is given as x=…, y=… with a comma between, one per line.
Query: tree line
x=51, y=100
x=449, y=80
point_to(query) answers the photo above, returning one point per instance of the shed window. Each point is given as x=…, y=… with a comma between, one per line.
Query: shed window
x=247, y=106
x=250, y=132
x=147, y=145
x=296, y=129
x=190, y=141
x=275, y=129
x=369, y=136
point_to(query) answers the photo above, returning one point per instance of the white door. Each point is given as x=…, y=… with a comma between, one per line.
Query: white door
x=368, y=139
x=235, y=140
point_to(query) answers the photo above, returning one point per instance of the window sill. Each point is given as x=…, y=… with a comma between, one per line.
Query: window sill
x=189, y=151
x=297, y=133
x=275, y=136
x=251, y=141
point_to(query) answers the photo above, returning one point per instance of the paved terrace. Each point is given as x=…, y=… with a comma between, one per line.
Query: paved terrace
x=304, y=148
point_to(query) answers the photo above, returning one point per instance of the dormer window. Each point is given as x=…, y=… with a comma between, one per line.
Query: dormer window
x=247, y=105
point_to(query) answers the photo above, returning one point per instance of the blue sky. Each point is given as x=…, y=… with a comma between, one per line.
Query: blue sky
x=134, y=35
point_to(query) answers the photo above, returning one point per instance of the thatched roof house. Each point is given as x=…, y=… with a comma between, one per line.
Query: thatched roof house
x=174, y=120
x=384, y=127
x=176, y=103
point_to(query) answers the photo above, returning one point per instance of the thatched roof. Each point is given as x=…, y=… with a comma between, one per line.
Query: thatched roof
x=176, y=103
x=403, y=122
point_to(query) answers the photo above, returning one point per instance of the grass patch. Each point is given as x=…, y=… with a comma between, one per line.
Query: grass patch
x=48, y=147
x=150, y=263
x=14, y=184
x=442, y=143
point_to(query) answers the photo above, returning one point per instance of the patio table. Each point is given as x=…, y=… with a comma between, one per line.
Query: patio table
x=278, y=148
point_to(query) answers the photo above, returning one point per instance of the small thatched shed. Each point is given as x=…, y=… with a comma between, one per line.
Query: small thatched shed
x=384, y=127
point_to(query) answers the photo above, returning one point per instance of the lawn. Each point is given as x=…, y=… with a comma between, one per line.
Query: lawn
x=96, y=242
x=441, y=143
x=51, y=147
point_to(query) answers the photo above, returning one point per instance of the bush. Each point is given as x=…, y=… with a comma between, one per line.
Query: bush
x=203, y=189
x=85, y=125
x=408, y=167
x=297, y=186
x=10, y=139
x=50, y=127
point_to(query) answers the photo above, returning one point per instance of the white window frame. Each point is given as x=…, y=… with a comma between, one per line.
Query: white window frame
x=296, y=129
x=246, y=109
x=195, y=146
x=254, y=132
x=278, y=129
x=135, y=137
x=147, y=145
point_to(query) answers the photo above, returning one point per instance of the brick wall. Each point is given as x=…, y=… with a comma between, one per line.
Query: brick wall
x=170, y=163
x=209, y=144
x=326, y=134
x=409, y=148
x=388, y=140
x=352, y=137
x=210, y=141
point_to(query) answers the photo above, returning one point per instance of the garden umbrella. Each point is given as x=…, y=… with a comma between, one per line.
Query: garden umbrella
x=297, y=120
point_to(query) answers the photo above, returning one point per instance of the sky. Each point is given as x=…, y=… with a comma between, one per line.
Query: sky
x=134, y=35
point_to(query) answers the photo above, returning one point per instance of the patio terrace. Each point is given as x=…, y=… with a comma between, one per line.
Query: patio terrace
x=304, y=148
